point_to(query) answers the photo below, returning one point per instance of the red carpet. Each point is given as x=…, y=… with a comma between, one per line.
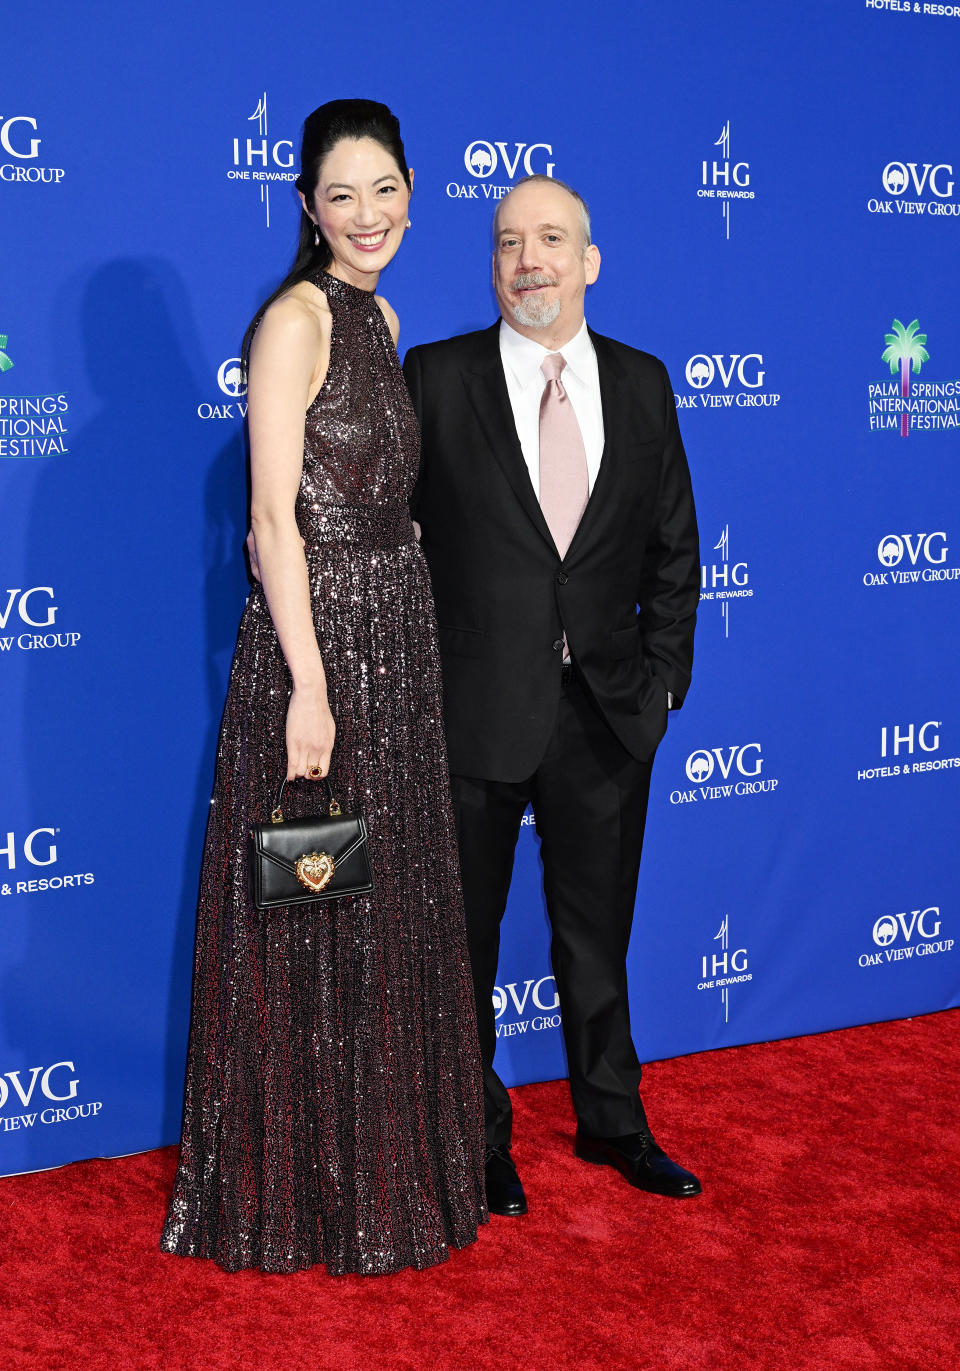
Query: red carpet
x=827, y=1238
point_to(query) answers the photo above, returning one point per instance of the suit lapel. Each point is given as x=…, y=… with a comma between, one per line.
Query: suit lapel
x=487, y=390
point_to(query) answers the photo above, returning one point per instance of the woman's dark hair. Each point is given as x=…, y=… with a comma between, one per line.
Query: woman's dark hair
x=323, y=129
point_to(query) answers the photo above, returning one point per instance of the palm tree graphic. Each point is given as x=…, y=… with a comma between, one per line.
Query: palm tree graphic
x=5, y=362
x=905, y=349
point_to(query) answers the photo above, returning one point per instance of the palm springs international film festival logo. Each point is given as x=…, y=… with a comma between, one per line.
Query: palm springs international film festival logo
x=725, y=179
x=726, y=578
x=233, y=384
x=20, y=152
x=904, y=936
x=906, y=404
x=261, y=160
x=483, y=159
x=30, y=425
x=724, y=773
x=723, y=969
x=918, y=188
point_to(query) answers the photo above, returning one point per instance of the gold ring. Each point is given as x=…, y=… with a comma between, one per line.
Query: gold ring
x=315, y=773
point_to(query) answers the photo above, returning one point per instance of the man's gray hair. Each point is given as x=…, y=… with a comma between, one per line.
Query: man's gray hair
x=582, y=209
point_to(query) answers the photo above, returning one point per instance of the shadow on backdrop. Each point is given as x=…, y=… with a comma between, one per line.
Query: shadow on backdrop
x=142, y=528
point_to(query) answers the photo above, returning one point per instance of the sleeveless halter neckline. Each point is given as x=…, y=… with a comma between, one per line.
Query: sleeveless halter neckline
x=346, y=285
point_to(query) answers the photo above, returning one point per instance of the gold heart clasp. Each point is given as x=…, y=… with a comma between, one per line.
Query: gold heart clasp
x=315, y=870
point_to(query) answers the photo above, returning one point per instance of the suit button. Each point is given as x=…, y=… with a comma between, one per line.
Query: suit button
x=558, y=645
x=562, y=579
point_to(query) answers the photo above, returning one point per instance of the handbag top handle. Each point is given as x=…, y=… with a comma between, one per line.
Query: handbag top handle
x=333, y=807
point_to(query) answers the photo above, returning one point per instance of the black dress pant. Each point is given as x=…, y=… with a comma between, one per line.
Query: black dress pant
x=589, y=799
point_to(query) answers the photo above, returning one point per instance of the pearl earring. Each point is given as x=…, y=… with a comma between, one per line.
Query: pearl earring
x=316, y=236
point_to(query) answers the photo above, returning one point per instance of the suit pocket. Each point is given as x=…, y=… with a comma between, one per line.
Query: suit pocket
x=461, y=642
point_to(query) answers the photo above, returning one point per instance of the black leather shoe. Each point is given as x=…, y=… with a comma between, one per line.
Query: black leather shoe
x=504, y=1191
x=641, y=1161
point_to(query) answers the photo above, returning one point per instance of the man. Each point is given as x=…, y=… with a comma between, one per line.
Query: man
x=558, y=523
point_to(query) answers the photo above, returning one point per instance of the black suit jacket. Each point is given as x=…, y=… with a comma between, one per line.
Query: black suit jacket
x=625, y=593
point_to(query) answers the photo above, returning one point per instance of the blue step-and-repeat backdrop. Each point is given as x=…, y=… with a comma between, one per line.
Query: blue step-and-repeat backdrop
x=776, y=195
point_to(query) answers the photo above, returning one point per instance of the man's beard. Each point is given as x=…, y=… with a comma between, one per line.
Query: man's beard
x=535, y=311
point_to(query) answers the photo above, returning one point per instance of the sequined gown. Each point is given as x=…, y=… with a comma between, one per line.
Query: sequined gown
x=333, y=1110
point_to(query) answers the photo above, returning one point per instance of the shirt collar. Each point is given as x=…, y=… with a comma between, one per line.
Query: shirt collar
x=523, y=355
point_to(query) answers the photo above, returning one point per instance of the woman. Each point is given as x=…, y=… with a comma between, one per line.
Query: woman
x=333, y=1109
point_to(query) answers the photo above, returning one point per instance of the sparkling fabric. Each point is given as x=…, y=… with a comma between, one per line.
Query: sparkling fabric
x=333, y=1108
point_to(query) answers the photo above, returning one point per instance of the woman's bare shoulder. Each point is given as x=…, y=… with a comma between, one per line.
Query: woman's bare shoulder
x=299, y=320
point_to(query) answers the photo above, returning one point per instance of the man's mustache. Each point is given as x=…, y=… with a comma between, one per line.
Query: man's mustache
x=533, y=278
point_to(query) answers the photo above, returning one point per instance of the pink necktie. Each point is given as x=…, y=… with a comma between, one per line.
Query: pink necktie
x=564, y=486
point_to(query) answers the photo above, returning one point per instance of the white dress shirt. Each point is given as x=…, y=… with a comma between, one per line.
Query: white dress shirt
x=580, y=378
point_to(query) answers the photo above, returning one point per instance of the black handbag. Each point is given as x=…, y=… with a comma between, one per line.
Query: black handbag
x=301, y=861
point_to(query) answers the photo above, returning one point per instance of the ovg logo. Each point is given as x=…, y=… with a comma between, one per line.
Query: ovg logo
x=57, y=1083
x=724, y=178
x=938, y=180
x=232, y=382
x=230, y=377
x=533, y=994
x=480, y=159
x=885, y=930
x=904, y=936
x=911, y=559
x=746, y=758
x=902, y=404
x=6, y=361
x=726, y=380
x=893, y=547
x=262, y=159
x=16, y=1085
x=483, y=158
x=916, y=188
x=33, y=606
x=20, y=141
x=725, y=579
x=735, y=771
x=701, y=370
x=699, y=766
x=890, y=550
